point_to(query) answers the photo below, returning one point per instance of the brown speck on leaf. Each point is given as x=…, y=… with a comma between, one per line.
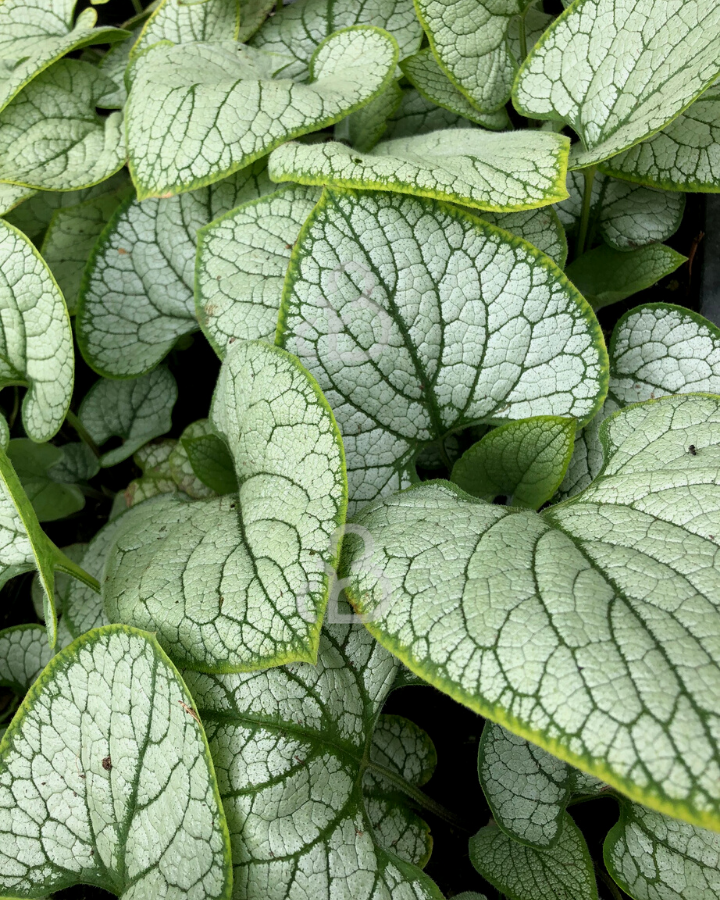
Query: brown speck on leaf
x=222, y=600
x=288, y=246
x=122, y=251
x=359, y=833
x=165, y=196
x=107, y=763
x=190, y=711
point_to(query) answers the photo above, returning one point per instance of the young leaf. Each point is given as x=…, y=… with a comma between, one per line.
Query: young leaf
x=212, y=463
x=633, y=557
x=422, y=70
x=36, y=33
x=318, y=723
x=24, y=653
x=540, y=227
x=409, y=350
x=119, y=784
x=242, y=258
x=153, y=460
x=181, y=22
x=681, y=157
x=604, y=275
x=562, y=872
x=524, y=461
x=503, y=172
x=297, y=29
x=416, y=115
x=182, y=134
x=35, y=333
x=33, y=464
x=656, y=349
x=654, y=857
x=136, y=298
x=240, y=582
x=470, y=43
x=365, y=127
x=136, y=410
x=527, y=789
x=51, y=137
x=71, y=235
x=181, y=466
x=617, y=72
x=77, y=463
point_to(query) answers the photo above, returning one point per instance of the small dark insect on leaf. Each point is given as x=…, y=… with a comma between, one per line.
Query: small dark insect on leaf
x=107, y=763
x=691, y=450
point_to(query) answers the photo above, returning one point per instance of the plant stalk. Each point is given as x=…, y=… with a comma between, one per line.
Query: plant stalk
x=609, y=883
x=137, y=6
x=420, y=797
x=589, y=177
x=66, y=565
x=15, y=406
x=83, y=432
x=523, y=36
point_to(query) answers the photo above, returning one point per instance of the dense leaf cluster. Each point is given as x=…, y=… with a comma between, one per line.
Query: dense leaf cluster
x=394, y=224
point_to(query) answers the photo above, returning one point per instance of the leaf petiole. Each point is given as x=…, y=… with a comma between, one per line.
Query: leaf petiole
x=589, y=176
x=83, y=433
x=420, y=797
x=66, y=565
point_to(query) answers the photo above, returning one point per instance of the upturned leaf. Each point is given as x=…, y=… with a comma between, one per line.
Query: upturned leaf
x=181, y=23
x=51, y=137
x=524, y=461
x=239, y=582
x=576, y=601
x=136, y=410
x=136, y=298
x=502, y=172
x=618, y=71
x=35, y=335
x=409, y=349
x=212, y=463
x=33, y=463
x=118, y=782
x=318, y=723
x=183, y=133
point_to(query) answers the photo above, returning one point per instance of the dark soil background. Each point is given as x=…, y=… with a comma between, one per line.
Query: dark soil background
x=454, y=729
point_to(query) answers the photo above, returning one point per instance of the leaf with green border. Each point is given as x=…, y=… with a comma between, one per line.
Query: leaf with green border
x=470, y=41
x=418, y=319
x=240, y=582
x=423, y=71
x=183, y=133
x=72, y=233
x=527, y=789
x=74, y=553
x=296, y=29
x=364, y=128
x=627, y=216
x=684, y=156
x=4, y=432
x=114, y=64
x=609, y=598
x=540, y=227
x=252, y=15
x=135, y=410
x=504, y=172
x=617, y=71
x=36, y=33
x=33, y=463
x=305, y=732
x=136, y=297
x=605, y=275
x=12, y=195
x=36, y=343
x=654, y=857
x=181, y=22
x=34, y=214
x=562, y=872
x=52, y=138
x=242, y=259
x=416, y=115
x=212, y=463
x=116, y=771
x=524, y=461
x=400, y=746
x=655, y=350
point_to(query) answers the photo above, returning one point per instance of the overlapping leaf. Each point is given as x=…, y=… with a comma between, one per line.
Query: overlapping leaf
x=417, y=115
x=617, y=71
x=241, y=581
x=289, y=746
x=296, y=29
x=137, y=295
x=117, y=782
x=364, y=128
x=241, y=263
x=36, y=341
x=183, y=133
x=24, y=653
x=181, y=23
x=503, y=172
x=33, y=463
x=418, y=319
x=610, y=597
x=51, y=136
x=540, y=227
